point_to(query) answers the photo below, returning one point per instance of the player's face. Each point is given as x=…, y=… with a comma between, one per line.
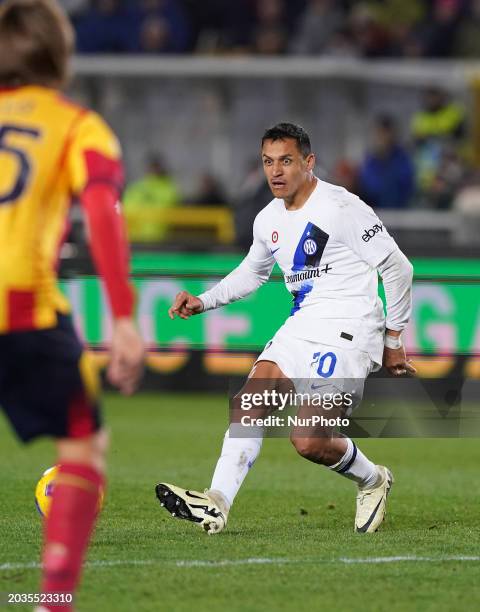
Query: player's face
x=285, y=167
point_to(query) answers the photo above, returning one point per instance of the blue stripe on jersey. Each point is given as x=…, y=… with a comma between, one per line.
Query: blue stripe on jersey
x=301, y=260
x=300, y=256
x=299, y=296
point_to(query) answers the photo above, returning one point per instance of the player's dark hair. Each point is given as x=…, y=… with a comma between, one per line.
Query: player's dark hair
x=282, y=131
x=36, y=42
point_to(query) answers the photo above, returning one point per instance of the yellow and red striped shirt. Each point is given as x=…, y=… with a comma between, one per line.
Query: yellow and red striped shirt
x=50, y=150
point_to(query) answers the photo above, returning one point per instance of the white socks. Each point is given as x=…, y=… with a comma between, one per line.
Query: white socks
x=355, y=466
x=238, y=456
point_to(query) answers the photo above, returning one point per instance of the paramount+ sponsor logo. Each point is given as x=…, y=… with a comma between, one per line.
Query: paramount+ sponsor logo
x=308, y=274
x=370, y=233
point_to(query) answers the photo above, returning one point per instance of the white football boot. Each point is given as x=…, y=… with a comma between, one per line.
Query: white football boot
x=209, y=510
x=371, y=502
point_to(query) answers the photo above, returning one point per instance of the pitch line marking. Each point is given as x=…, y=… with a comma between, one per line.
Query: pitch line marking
x=340, y=560
x=190, y=563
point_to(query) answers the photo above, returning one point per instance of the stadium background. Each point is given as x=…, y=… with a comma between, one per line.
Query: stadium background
x=189, y=88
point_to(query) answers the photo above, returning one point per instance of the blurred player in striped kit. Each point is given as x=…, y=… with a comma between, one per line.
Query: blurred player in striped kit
x=50, y=151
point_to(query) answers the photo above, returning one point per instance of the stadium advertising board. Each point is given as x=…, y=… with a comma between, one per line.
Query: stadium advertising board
x=443, y=334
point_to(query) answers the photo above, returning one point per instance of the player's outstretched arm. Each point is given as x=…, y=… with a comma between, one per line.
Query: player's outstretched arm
x=242, y=281
x=246, y=278
x=185, y=305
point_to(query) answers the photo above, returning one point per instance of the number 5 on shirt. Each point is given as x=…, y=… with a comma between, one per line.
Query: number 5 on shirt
x=24, y=168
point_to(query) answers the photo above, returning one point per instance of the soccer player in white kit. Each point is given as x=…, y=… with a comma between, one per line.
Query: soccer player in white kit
x=330, y=247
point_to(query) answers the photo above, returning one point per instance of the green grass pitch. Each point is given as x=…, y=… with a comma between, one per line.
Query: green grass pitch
x=289, y=544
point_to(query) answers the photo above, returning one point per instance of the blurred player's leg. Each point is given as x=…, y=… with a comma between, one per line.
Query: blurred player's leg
x=73, y=512
x=49, y=386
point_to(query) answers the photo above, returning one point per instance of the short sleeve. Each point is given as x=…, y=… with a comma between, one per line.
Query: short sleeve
x=363, y=232
x=94, y=155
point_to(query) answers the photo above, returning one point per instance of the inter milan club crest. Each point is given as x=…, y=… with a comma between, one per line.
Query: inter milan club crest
x=310, y=247
x=274, y=237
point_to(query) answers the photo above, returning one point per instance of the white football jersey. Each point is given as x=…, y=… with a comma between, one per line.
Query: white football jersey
x=328, y=251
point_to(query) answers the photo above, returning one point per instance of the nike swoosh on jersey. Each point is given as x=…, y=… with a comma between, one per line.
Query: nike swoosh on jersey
x=274, y=251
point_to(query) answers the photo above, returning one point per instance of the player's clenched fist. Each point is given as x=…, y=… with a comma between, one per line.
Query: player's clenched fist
x=397, y=363
x=185, y=305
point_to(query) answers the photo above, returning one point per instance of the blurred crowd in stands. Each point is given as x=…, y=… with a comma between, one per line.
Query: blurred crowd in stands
x=340, y=28
x=426, y=171
x=431, y=167
x=429, y=170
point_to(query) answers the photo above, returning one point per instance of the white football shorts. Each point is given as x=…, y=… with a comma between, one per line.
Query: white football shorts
x=319, y=368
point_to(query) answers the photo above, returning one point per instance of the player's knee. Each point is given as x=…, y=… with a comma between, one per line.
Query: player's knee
x=91, y=450
x=313, y=449
x=266, y=370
